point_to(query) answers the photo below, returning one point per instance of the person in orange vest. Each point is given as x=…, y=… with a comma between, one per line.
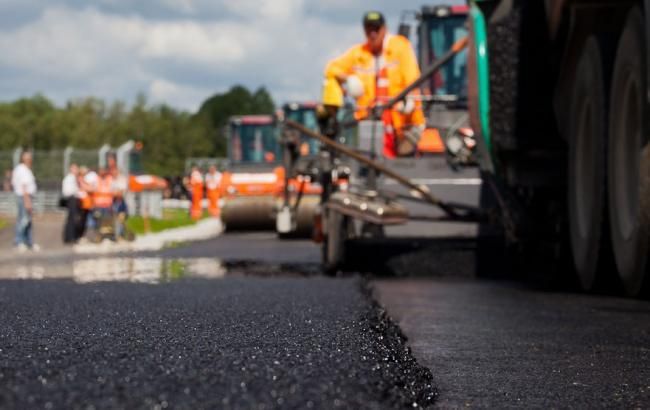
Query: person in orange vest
x=373, y=72
x=103, y=197
x=86, y=200
x=196, y=186
x=88, y=184
x=212, y=181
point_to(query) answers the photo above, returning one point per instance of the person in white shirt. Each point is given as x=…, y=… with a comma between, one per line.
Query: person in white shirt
x=24, y=186
x=70, y=192
x=120, y=208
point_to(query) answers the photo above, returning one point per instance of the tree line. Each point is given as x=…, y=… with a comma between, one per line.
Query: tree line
x=168, y=135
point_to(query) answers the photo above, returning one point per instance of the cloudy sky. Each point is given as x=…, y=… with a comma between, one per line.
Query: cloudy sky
x=176, y=51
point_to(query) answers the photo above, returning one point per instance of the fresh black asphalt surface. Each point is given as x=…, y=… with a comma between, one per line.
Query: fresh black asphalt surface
x=268, y=330
x=238, y=342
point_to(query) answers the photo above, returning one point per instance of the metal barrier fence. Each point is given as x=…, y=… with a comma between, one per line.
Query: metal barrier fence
x=85, y=157
x=6, y=161
x=44, y=201
x=145, y=203
x=205, y=162
x=51, y=166
x=48, y=169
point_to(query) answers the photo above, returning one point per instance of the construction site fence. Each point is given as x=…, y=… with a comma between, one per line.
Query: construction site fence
x=149, y=203
x=206, y=162
x=44, y=202
x=50, y=166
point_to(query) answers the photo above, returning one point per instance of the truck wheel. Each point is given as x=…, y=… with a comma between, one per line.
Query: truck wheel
x=587, y=159
x=629, y=159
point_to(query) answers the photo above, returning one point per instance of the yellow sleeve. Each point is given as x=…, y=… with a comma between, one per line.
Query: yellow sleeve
x=332, y=94
x=410, y=73
x=341, y=65
x=411, y=69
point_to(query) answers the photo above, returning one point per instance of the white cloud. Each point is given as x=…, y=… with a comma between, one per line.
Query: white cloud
x=178, y=51
x=163, y=91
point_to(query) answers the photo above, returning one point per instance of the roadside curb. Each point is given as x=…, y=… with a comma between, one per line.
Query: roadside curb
x=202, y=230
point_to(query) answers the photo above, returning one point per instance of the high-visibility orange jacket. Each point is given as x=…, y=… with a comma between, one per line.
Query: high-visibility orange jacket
x=398, y=58
x=212, y=181
x=103, y=196
x=196, y=182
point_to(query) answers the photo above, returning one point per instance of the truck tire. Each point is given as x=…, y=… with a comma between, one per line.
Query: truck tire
x=629, y=159
x=586, y=164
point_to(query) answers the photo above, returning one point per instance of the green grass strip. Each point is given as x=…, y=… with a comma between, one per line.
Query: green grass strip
x=172, y=218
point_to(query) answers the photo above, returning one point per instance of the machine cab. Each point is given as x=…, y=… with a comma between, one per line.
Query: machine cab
x=253, y=141
x=304, y=114
x=440, y=27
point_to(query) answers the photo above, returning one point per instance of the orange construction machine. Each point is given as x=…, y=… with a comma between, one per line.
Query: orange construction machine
x=255, y=185
x=251, y=184
x=445, y=92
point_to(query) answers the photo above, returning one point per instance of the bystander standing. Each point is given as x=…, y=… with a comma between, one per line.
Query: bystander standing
x=85, y=201
x=212, y=187
x=90, y=181
x=120, y=209
x=71, y=195
x=196, y=184
x=24, y=186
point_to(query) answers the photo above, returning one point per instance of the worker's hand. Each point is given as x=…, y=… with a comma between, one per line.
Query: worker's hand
x=413, y=133
x=405, y=107
x=354, y=86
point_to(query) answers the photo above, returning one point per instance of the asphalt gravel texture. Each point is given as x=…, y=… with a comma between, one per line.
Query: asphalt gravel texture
x=238, y=342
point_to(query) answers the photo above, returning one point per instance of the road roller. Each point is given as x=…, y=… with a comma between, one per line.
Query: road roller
x=256, y=187
x=252, y=183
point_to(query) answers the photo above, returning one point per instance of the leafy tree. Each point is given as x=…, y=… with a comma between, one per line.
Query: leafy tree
x=216, y=110
x=169, y=136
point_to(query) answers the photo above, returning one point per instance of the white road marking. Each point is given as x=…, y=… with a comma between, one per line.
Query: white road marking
x=440, y=181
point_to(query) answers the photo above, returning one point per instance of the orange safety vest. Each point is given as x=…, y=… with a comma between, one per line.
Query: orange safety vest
x=103, y=196
x=399, y=65
x=196, y=181
x=86, y=200
x=212, y=181
x=382, y=95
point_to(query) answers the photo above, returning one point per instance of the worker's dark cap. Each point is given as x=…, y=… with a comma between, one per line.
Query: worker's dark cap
x=373, y=19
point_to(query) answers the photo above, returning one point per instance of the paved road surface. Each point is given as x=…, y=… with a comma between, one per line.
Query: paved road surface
x=237, y=342
x=501, y=344
x=185, y=327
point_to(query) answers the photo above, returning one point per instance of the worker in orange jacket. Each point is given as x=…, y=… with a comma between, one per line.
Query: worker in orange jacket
x=196, y=187
x=373, y=72
x=212, y=181
x=103, y=198
x=87, y=181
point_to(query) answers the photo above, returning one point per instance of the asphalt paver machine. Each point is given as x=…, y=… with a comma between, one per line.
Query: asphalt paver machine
x=353, y=202
x=444, y=93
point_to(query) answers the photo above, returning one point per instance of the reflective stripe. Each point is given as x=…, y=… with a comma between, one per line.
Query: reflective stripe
x=103, y=197
x=382, y=82
x=212, y=181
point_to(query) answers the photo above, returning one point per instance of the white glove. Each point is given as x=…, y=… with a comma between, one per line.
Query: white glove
x=405, y=108
x=354, y=86
x=414, y=133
